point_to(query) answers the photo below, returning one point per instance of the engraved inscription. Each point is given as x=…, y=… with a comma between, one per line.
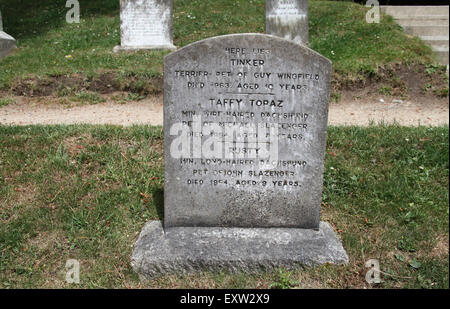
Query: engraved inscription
x=146, y=22
x=288, y=19
x=286, y=7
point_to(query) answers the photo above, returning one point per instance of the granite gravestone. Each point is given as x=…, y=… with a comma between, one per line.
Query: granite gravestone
x=288, y=19
x=245, y=121
x=7, y=42
x=145, y=24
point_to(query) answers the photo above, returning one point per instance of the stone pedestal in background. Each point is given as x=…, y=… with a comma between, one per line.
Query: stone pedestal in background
x=145, y=24
x=288, y=19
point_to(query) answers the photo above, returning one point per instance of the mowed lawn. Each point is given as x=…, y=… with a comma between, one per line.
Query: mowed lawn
x=85, y=192
x=49, y=47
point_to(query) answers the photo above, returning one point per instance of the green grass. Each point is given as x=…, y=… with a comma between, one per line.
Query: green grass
x=338, y=30
x=85, y=192
x=88, y=97
x=6, y=101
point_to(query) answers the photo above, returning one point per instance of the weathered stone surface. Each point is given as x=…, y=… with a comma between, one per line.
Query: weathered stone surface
x=145, y=24
x=7, y=44
x=242, y=210
x=245, y=80
x=179, y=250
x=288, y=19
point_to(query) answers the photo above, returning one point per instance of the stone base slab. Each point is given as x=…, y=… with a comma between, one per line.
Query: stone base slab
x=187, y=249
x=138, y=48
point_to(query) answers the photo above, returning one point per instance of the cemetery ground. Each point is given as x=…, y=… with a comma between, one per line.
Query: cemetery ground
x=74, y=63
x=86, y=191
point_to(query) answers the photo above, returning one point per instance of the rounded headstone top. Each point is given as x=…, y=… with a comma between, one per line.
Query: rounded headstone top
x=289, y=48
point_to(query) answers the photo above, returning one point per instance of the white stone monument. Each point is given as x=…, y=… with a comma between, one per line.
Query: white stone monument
x=288, y=19
x=145, y=24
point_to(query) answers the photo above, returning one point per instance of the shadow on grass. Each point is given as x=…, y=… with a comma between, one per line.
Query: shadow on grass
x=158, y=197
x=31, y=18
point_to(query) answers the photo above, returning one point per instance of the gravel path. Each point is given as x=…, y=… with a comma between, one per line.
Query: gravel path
x=433, y=112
